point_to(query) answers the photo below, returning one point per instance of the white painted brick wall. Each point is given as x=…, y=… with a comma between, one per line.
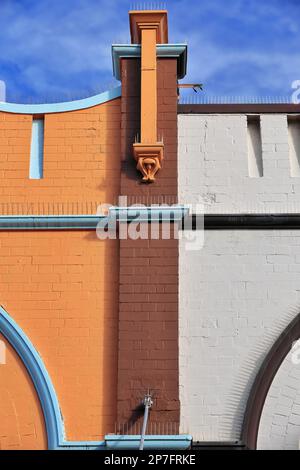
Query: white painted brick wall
x=237, y=295
x=280, y=421
x=213, y=164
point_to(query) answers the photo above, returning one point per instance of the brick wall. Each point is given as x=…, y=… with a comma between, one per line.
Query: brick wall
x=237, y=294
x=213, y=164
x=81, y=161
x=165, y=187
x=148, y=322
x=148, y=331
x=280, y=420
x=62, y=289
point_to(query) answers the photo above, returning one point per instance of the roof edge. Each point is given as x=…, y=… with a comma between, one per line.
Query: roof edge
x=127, y=51
x=246, y=108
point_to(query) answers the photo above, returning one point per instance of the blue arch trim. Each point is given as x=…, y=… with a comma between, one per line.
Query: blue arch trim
x=61, y=107
x=50, y=406
x=39, y=376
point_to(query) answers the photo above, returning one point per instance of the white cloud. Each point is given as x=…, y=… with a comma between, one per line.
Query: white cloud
x=58, y=45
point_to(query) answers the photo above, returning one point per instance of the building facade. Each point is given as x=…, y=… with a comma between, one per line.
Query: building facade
x=204, y=318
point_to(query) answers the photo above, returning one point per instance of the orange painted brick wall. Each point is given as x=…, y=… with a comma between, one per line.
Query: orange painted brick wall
x=21, y=417
x=81, y=161
x=61, y=287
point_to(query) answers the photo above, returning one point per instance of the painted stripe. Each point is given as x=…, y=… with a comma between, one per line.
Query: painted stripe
x=37, y=149
x=61, y=107
x=175, y=51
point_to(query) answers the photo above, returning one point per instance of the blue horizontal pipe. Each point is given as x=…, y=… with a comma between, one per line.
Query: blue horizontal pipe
x=155, y=214
x=47, y=222
x=90, y=222
x=152, y=442
x=82, y=445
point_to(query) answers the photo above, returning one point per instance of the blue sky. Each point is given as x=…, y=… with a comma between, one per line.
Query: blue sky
x=53, y=50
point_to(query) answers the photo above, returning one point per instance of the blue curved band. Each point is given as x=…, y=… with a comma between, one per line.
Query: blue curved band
x=61, y=107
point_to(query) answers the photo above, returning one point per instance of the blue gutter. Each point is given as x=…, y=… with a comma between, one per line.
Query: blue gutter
x=49, y=222
x=152, y=442
x=90, y=222
x=82, y=445
x=125, y=51
x=61, y=107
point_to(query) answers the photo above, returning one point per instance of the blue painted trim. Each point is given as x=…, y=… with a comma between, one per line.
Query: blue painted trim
x=122, y=51
x=50, y=406
x=39, y=375
x=152, y=442
x=90, y=222
x=61, y=107
x=43, y=385
x=49, y=222
x=37, y=149
x=82, y=445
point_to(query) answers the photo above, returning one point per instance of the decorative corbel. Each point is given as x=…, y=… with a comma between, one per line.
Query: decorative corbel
x=149, y=159
x=148, y=28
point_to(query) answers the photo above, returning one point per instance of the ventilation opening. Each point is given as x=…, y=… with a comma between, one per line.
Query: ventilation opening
x=294, y=145
x=255, y=162
x=37, y=149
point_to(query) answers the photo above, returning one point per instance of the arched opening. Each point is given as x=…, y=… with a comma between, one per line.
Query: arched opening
x=264, y=379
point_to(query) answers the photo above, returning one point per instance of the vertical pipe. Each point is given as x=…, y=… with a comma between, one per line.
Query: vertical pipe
x=147, y=403
x=148, y=87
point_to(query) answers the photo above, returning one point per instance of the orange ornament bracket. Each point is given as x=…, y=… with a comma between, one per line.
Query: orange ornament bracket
x=148, y=28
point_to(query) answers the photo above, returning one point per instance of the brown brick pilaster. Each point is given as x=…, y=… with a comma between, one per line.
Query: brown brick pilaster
x=148, y=318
